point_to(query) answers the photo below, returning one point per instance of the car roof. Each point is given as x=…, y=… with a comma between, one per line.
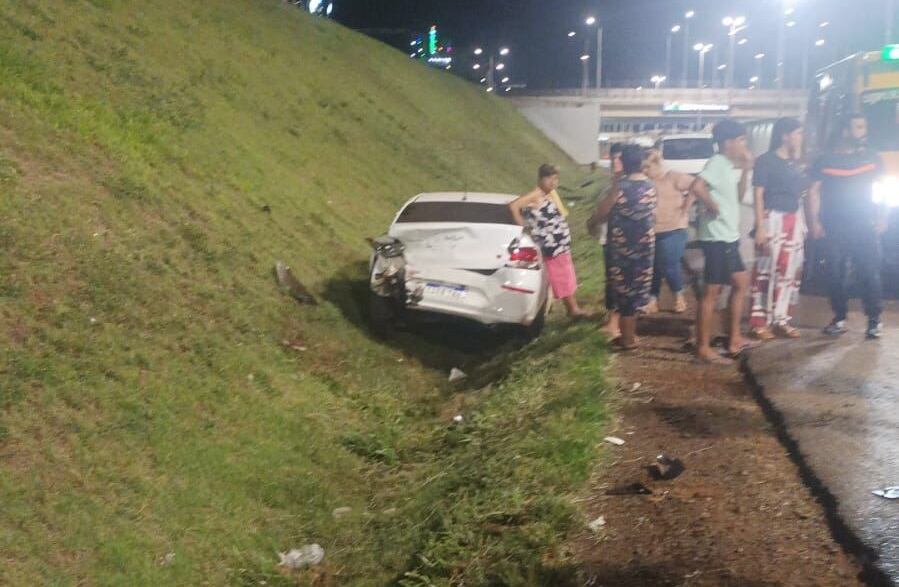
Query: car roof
x=477, y=197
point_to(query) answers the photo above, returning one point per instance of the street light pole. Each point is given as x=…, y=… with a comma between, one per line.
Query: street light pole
x=687, y=16
x=735, y=25
x=891, y=13
x=491, y=69
x=674, y=30
x=598, y=56
x=702, y=49
x=585, y=66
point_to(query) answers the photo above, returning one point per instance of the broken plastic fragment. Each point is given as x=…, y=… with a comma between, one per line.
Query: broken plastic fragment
x=596, y=524
x=614, y=440
x=630, y=489
x=666, y=468
x=456, y=375
x=300, y=558
x=887, y=493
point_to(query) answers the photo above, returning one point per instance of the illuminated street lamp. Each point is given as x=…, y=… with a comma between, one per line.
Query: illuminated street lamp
x=492, y=65
x=702, y=49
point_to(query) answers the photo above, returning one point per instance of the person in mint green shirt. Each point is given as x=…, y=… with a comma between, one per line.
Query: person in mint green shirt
x=719, y=188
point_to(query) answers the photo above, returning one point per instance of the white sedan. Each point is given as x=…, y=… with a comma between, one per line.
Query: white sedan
x=458, y=254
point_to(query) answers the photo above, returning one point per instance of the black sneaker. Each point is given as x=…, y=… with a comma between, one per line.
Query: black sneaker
x=875, y=330
x=836, y=328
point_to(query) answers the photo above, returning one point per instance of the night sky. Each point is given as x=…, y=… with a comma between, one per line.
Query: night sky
x=635, y=33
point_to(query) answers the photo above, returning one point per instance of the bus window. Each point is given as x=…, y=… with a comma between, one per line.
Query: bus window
x=882, y=112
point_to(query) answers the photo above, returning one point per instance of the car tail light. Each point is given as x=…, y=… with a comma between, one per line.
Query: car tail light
x=523, y=257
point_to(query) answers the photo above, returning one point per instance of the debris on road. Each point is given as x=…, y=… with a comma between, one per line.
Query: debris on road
x=291, y=286
x=457, y=375
x=597, y=524
x=630, y=489
x=887, y=493
x=665, y=468
x=300, y=558
x=614, y=440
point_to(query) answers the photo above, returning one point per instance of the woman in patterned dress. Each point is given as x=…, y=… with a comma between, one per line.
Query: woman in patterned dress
x=631, y=212
x=549, y=229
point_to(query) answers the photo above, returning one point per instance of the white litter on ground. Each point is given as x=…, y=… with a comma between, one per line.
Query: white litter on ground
x=300, y=558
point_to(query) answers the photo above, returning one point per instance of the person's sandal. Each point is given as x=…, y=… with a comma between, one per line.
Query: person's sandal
x=762, y=334
x=680, y=305
x=787, y=331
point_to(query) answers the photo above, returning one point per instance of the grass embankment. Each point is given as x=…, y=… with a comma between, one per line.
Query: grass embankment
x=156, y=158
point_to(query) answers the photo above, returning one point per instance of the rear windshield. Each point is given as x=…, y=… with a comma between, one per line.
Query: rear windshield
x=681, y=149
x=470, y=212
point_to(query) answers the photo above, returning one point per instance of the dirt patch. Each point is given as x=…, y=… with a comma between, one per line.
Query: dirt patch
x=739, y=515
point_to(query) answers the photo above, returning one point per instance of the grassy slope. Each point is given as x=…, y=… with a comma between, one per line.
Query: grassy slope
x=147, y=404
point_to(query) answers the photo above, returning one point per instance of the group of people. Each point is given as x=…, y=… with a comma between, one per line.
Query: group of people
x=643, y=219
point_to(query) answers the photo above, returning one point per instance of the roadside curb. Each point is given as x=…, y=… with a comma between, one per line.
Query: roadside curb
x=867, y=558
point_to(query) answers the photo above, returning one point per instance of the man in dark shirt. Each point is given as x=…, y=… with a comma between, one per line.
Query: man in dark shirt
x=843, y=210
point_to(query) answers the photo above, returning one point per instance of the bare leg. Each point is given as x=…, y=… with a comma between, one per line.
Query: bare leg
x=739, y=285
x=573, y=309
x=628, y=331
x=613, y=326
x=706, y=311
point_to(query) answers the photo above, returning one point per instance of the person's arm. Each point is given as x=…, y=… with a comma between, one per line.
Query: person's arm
x=742, y=185
x=760, y=187
x=518, y=205
x=813, y=210
x=682, y=183
x=603, y=209
x=700, y=189
x=761, y=234
x=557, y=200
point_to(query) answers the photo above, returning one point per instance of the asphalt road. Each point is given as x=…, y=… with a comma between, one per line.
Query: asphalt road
x=839, y=399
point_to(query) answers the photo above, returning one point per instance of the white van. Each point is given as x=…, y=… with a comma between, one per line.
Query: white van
x=686, y=153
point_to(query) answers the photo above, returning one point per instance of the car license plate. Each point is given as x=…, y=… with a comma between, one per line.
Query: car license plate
x=448, y=291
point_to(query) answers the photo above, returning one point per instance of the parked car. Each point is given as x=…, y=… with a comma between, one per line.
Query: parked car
x=461, y=255
x=686, y=153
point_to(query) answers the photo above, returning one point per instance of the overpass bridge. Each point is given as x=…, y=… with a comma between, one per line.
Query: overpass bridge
x=576, y=120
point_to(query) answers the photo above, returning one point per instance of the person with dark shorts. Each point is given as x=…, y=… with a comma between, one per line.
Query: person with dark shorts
x=719, y=188
x=846, y=215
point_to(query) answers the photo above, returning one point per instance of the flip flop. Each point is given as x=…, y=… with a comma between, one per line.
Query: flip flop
x=621, y=348
x=747, y=346
x=714, y=361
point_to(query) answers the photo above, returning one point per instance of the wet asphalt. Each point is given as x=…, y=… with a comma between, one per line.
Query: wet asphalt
x=839, y=401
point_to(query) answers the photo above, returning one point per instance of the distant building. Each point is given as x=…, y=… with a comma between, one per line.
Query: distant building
x=431, y=50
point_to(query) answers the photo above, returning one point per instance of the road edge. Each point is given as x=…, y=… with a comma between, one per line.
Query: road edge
x=848, y=540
